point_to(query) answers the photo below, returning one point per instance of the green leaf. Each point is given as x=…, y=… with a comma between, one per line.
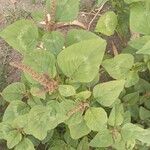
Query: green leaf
x=119, y=66
x=60, y=145
x=66, y=90
x=145, y=49
x=38, y=15
x=14, y=91
x=57, y=112
x=38, y=121
x=77, y=35
x=53, y=42
x=83, y=95
x=116, y=116
x=139, y=42
x=140, y=19
x=5, y=128
x=107, y=23
x=25, y=144
x=20, y=122
x=84, y=144
x=69, y=140
x=70, y=106
x=127, y=117
x=145, y=137
x=37, y=92
x=81, y=61
x=132, y=1
x=42, y=62
x=21, y=35
x=131, y=98
x=131, y=131
x=106, y=93
x=102, y=139
x=13, y=138
x=14, y=109
x=132, y=78
x=79, y=130
x=34, y=101
x=66, y=10
x=144, y=113
x=95, y=118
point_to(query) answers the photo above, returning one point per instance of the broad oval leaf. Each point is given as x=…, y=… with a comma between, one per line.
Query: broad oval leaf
x=138, y=43
x=140, y=18
x=35, y=91
x=95, y=118
x=130, y=131
x=132, y=78
x=14, y=109
x=116, y=116
x=5, y=128
x=66, y=90
x=73, y=117
x=144, y=113
x=83, y=95
x=13, y=138
x=76, y=35
x=53, y=42
x=119, y=66
x=20, y=122
x=107, y=23
x=25, y=144
x=21, y=35
x=102, y=139
x=145, y=49
x=79, y=130
x=14, y=91
x=66, y=10
x=38, y=121
x=81, y=61
x=106, y=93
x=43, y=62
x=84, y=144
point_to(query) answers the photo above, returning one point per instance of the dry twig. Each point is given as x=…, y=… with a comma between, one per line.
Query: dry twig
x=100, y=8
